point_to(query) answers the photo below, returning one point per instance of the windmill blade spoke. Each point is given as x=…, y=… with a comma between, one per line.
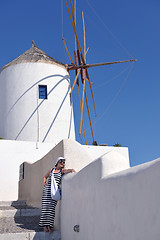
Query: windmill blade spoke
x=75, y=60
x=109, y=63
x=78, y=56
x=82, y=107
x=74, y=16
x=82, y=76
x=72, y=11
x=86, y=51
x=79, y=60
x=74, y=28
x=88, y=81
x=87, y=75
x=68, y=52
x=75, y=81
x=84, y=37
x=89, y=116
x=70, y=67
x=75, y=22
x=82, y=118
x=75, y=57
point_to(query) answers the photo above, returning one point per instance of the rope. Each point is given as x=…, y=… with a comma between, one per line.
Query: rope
x=116, y=95
x=113, y=78
x=112, y=101
x=108, y=29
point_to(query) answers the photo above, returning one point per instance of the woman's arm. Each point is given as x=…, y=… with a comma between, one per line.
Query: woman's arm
x=46, y=176
x=64, y=171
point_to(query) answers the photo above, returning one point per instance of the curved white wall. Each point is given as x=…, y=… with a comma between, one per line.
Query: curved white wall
x=121, y=206
x=27, y=118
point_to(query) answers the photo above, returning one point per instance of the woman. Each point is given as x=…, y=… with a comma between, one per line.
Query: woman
x=48, y=204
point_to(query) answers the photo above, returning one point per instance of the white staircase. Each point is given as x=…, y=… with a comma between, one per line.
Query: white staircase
x=20, y=222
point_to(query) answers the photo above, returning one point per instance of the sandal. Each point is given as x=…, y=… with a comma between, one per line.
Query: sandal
x=46, y=229
x=50, y=230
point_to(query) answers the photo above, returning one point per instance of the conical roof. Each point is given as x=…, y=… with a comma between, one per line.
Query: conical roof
x=34, y=54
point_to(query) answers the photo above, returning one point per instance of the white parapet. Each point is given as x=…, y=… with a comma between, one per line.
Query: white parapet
x=123, y=205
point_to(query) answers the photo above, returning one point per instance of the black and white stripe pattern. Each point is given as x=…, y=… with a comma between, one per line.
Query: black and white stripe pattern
x=48, y=204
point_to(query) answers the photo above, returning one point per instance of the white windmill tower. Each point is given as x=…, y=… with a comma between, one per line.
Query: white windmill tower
x=36, y=101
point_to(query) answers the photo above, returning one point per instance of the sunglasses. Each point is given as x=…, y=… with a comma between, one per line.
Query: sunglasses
x=62, y=161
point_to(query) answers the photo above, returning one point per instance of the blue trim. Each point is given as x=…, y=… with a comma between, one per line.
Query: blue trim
x=42, y=91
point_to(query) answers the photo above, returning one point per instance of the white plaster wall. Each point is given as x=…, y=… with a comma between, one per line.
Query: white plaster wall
x=12, y=154
x=2, y=107
x=30, y=188
x=100, y=151
x=78, y=156
x=27, y=118
x=119, y=206
x=75, y=157
x=39, y=158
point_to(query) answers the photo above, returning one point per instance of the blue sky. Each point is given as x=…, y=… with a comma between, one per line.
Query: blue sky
x=126, y=95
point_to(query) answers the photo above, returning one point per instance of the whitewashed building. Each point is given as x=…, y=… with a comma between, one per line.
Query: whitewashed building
x=35, y=100
x=105, y=199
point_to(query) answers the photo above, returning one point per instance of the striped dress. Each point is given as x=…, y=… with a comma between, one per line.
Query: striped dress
x=48, y=204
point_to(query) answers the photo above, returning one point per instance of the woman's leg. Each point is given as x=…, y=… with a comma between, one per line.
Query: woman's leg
x=50, y=229
x=46, y=229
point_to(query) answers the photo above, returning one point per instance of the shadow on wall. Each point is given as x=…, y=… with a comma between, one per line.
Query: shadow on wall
x=55, y=116
x=30, y=117
x=56, y=75
x=70, y=124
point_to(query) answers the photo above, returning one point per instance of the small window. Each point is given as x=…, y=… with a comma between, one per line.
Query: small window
x=42, y=91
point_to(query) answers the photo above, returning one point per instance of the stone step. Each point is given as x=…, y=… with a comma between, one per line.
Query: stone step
x=19, y=224
x=17, y=217
x=17, y=209
x=15, y=204
x=20, y=212
x=31, y=236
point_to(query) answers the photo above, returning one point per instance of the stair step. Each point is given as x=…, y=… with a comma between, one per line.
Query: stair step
x=12, y=203
x=31, y=236
x=19, y=224
x=20, y=212
x=17, y=217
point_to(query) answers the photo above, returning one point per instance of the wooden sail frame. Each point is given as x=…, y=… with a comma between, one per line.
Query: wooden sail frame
x=81, y=67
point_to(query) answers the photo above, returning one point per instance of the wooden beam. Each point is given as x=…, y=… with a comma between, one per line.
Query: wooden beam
x=71, y=67
x=75, y=81
x=67, y=51
x=84, y=37
x=74, y=28
x=82, y=105
x=82, y=118
x=89, y=116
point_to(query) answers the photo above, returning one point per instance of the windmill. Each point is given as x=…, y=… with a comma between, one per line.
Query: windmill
x=80, y=67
